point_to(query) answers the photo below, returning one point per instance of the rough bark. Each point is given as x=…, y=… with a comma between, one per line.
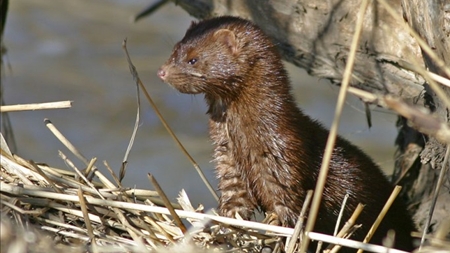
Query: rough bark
x=431, y=19
x=316, y=36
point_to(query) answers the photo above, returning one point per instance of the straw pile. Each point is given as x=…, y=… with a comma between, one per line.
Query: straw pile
x=46, y=209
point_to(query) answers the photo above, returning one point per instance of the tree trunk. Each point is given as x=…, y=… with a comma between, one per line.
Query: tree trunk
x=431, y=20
x=316, y=36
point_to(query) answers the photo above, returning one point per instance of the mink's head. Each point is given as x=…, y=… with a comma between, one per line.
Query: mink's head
x=217, y=57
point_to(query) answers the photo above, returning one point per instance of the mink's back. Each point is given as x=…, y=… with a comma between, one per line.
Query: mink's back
x=298, y=143
x=351, y=171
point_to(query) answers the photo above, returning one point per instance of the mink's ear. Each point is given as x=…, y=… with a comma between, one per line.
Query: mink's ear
x=228, y=38
x=193, y=23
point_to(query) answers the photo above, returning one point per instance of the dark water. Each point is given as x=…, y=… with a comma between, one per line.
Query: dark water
x=71, y=50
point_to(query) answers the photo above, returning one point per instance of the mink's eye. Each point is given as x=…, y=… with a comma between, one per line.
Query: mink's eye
x=192, y=61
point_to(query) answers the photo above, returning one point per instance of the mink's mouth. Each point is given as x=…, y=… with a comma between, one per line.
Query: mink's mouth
x=183, y=82
x=188, y=90
x=184, y=87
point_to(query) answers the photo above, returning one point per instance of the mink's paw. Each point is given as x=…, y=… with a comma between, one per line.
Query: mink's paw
x=271, y=219
x=237, y=212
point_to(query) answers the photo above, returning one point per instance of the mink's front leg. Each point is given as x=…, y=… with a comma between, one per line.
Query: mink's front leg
x=235, y=196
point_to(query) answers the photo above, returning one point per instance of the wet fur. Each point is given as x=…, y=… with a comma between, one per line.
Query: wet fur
x=267, y=152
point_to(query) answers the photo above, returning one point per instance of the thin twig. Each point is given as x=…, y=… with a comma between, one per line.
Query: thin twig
x=18, y=170
x=61, y=154
x=123, y=167
x=299, y=225
x=85, y=212
x=21, y=210
x=383, y=212
x=150, y=9
x=36, y=106
x=431, y=82
x=421, y=70
x=352, y=243
x=65, y=141
x=4, y=146
x=439, y=184
x=158, y=228
x=341, y=212
x=344, y=233
x=333, y=130
x=420, y=119
x=439, y=79
x=167, y=203
x=114, y=176
x=167, y=127
x=89, y=167
x=130, y=229
x=42, y=173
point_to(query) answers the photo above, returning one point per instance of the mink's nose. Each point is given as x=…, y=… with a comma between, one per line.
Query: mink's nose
x=162, y=73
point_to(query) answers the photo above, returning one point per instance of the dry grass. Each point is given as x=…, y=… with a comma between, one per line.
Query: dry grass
x=82, y=211
x=47, y=209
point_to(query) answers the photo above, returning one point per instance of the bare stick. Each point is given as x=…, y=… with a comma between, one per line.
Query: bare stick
x=299, y=225
x=85, y=215
x=131, y=230
x=65, y=141
x=352, y=243
x=333, y=130
x=159, y=228
x=416, y=67
x=439, y=184
x=432, y=83
x=80, y=174
x=383, y=212
x=90, y=166
x=156, y=5
x=114, y=176
x=167, y=203
x=349, y=224
x=341, y=212
x=163, y=121
x=77, y=153
x=4, y=146
x=51, y=182
x=123, y=168
x=439, y=79
x=420, y=119
x=36, y=106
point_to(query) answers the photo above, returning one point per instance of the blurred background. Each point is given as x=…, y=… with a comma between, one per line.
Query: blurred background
x=71, y=50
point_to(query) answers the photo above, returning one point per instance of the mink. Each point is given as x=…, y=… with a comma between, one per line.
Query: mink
x=267, y=151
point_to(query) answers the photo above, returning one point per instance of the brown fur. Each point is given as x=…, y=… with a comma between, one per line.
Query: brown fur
x=268, y=153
